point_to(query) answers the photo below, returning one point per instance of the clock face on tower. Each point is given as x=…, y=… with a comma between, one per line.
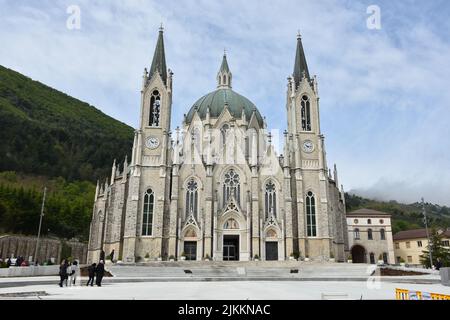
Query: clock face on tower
x=152, y=142
x=308, y=146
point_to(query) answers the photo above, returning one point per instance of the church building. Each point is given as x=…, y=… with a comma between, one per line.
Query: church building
x=215, y=188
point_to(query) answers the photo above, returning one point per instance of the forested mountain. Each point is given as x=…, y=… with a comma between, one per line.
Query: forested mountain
x=46, y=132
x=48, y=138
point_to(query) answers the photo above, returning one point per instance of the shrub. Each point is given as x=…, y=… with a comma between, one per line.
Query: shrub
x=256, y=256
x=147, y=255
x=171, y=257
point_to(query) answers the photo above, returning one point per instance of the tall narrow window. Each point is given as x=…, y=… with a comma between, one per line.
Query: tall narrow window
x=231, y=186
x=356, y=234
x=311, y=215
x=155, y=109
x=270, y=200
x=192, y=198
x=306, y=114
x=369, y=234
x=382, y=234
x=149, y=204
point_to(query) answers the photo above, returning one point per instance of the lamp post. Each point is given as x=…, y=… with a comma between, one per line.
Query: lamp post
x=40, y=224
x=428, y=236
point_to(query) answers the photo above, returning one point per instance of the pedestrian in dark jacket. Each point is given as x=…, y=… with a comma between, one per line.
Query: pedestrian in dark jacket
x=91, y=272
x=100, y=271
x=63, y=273
x=111, y=255
x=102, y=255
x=438, y=264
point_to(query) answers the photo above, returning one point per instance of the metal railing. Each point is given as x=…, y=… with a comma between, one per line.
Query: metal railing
x=404, y=294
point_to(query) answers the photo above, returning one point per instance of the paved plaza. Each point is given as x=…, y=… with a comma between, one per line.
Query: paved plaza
x=206, y=290
x=228, y=281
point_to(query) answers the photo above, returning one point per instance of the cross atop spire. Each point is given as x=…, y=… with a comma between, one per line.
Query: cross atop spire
x=159, y=58
x=300, y=66
x=224, y=75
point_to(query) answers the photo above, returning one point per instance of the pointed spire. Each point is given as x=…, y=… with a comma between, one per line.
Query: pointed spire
x=125, y=168
x=224, y=75
x=300, y=66
x=159, y=58
x=286, y=149
x=113, y=172
x=335, y=174
x=97, y=190
x=224, y=67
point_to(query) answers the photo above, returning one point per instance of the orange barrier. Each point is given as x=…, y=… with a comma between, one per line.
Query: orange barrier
x=404, y=294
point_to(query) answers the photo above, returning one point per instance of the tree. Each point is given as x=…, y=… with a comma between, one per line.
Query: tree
x=437, y=251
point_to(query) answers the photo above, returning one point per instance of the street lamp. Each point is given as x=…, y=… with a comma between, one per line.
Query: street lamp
x=428, y=236
x=40, y=224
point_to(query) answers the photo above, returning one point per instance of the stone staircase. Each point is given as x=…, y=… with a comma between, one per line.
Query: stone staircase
x=240, y=270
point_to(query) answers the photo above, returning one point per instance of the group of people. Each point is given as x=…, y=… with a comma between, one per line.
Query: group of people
x=96, y=271
x=69, y=272
x=20, y=262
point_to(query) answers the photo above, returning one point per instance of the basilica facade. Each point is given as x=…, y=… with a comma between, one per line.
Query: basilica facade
x=215, y=188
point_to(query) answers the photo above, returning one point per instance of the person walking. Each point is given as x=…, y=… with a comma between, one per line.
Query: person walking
x=63, y=272
x=438, y=264
x=102, y=255
x=74, y=270
x=100, y=271
x=111, y=255
x=91, y=273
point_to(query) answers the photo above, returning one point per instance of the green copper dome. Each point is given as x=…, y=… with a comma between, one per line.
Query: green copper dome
x=216, y=102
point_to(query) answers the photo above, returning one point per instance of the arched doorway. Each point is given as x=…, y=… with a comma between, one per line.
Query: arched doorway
x=358, y=254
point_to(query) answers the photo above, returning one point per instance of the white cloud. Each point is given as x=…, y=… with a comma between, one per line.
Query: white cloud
x=384, y=96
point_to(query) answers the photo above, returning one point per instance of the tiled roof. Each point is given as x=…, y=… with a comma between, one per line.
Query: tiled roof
x=367, y=212
x=410, y=234
x=417, y=233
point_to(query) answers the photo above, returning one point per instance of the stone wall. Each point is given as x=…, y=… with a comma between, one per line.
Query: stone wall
x=15, y=245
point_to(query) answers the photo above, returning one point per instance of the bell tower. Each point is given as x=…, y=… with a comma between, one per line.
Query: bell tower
x=149, y=182
x=156, y=101
x=307, y=159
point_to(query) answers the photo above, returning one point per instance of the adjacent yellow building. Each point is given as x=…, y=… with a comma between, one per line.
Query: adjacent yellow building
x=410, y=244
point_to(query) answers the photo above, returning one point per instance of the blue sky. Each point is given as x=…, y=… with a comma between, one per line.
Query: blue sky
x=384, y=94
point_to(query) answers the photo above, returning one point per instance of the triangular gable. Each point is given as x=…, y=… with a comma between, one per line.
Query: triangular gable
x=232, y=205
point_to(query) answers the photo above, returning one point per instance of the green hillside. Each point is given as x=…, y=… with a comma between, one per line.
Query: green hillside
x=404, y=216
x=68, y=205
x=51, y=139
x=46, y=132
